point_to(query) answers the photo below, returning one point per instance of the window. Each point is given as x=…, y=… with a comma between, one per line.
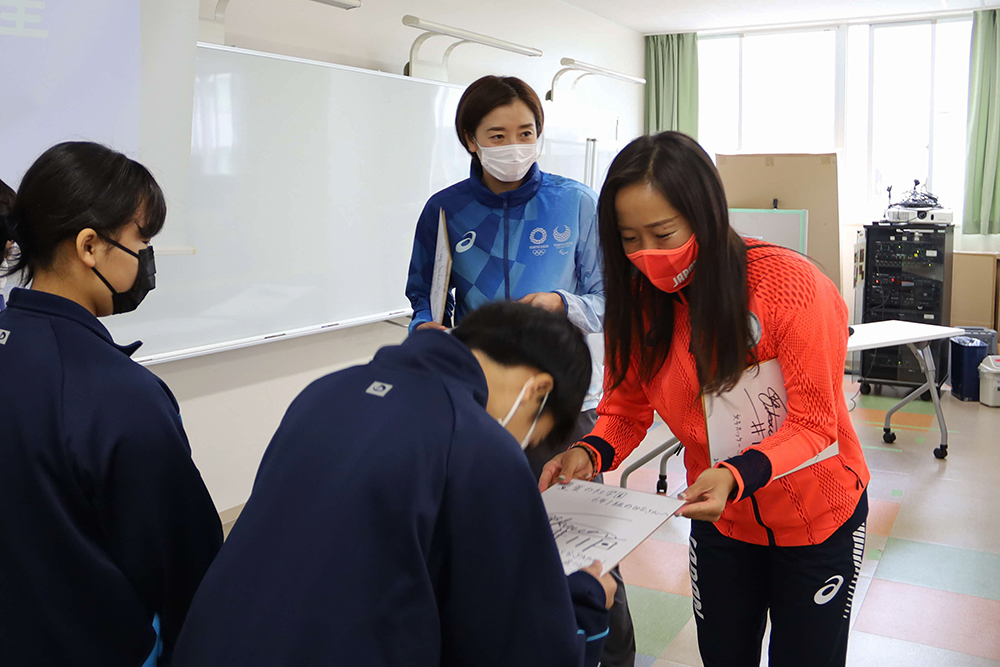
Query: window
x=901, y=117
x=719, y=94
x=788, y=92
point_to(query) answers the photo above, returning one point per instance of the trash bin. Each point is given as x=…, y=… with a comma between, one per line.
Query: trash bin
x=989, y=382
x=988, y=336
x=966, y=354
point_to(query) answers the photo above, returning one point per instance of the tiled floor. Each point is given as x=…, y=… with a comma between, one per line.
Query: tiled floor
x=929, y=593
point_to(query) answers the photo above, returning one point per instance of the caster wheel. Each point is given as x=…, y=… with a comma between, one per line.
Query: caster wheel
x=661, y=486
x=889, y=437
x=865, y=388
x=941, y=452
x=926, y=396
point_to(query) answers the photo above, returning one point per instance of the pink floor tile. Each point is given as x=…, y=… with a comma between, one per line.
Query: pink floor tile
x=881, y=516
x=658, y=565
x=961, y=623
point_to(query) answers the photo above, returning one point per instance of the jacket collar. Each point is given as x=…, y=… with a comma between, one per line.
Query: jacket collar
x=57, y=306
x=441, y=354
x=522, y=195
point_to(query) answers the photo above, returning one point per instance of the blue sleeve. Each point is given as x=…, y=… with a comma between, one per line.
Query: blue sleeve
x=585, y=307
x=503, y=576
x=418, y=284
x=591, y=615
x=161, y=526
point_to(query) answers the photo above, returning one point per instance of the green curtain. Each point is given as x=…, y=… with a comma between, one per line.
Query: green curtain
x=672, y=83
x=982, y=169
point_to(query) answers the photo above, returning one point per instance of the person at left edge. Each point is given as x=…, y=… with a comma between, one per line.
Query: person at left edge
x=106, y=527
x=6, y=201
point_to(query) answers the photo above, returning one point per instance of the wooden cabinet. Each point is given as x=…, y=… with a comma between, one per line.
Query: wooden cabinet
x=975, y=290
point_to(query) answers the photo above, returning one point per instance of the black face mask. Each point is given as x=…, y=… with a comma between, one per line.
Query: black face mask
x=145, y=280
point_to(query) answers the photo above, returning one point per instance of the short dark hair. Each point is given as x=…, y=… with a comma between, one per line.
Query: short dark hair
x=486, y=94
x=516, y=334
x=75, y=186
x=639, y=322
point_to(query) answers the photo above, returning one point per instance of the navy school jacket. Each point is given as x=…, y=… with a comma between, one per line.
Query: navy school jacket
x=394, y=522
x=104, y=519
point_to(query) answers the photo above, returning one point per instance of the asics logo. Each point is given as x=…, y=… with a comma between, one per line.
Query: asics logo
x=829, y=590
x=466, y=243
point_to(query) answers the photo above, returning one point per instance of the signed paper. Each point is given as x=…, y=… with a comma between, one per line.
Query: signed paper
x=753, y=410
x=596, y=522
x=441, y=280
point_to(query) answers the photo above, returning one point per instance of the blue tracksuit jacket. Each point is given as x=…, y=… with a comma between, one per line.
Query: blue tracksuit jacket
x=541, y=237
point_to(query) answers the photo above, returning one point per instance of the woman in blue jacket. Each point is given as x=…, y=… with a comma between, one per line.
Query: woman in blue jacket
x=518, y=233
x=106, y=527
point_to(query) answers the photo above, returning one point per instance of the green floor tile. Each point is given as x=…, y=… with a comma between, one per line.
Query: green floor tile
x=874, y=554
x=881, y=449
x=897, y=492
x=943, y=568
x=886, y=402
x=657, y=617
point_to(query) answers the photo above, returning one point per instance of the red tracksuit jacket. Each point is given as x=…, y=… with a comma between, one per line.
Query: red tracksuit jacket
x=804, y=321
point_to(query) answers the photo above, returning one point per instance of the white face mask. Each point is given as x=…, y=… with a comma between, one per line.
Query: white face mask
x=509, y=163
x=517, y=404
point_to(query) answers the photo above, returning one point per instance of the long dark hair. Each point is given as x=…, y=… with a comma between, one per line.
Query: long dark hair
x=75, y=186
x=639, y=323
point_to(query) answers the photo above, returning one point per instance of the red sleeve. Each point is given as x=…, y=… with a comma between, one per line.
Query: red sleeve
x=624, y=417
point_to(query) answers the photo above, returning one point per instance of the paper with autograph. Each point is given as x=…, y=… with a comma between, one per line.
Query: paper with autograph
x=753, y=410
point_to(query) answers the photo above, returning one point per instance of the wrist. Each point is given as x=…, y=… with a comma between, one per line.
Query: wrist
x=591, y=458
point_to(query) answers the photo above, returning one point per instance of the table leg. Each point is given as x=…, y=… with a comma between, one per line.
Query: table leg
x=662, y=449
x=925, y=357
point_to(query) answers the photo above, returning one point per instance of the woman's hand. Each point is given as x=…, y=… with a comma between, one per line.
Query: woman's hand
x=431, y=326
x=707, y=497
x=545, y=300
x=571, y=464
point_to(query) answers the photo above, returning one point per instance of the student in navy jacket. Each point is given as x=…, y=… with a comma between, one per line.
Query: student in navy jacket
x=394, y=521
x=106, y=528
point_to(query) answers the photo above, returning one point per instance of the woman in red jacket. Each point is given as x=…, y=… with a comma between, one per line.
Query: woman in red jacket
x=691, y=306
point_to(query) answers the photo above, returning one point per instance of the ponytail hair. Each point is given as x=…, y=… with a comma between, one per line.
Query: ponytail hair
x=75, y=186
x=6, y=232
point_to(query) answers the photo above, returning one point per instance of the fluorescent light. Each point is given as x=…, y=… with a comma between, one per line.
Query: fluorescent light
x=466, y=35
x=341, y=4
x=570, y=63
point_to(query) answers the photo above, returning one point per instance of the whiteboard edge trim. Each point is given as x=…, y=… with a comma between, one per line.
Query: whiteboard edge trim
x=193, y=352
x=322, y=63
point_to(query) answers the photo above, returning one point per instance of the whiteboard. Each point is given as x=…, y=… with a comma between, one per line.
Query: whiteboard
x=306, y=182
x=788, y=228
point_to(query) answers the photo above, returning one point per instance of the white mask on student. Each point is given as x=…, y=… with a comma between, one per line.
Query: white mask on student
x=509, y=163
x=517, y=404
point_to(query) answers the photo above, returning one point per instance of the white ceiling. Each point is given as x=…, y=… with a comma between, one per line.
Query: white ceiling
x=662, y=16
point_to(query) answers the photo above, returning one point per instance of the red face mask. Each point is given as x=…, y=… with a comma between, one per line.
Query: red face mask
x=668, y=270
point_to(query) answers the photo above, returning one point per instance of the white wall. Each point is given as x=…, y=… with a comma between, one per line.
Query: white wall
x=374, y=37
x=232, y=402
